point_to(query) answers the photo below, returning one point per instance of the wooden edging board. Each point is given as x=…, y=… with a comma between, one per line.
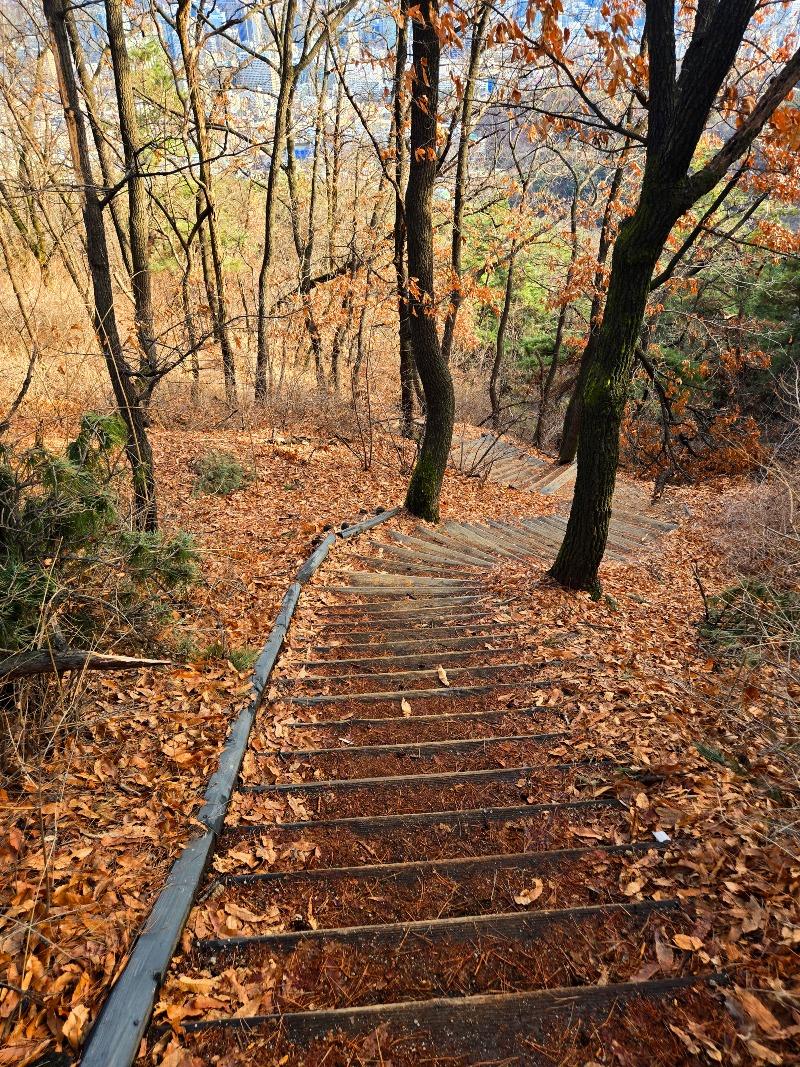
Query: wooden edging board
x=115, y=1037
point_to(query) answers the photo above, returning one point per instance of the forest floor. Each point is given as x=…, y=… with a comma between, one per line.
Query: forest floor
x=86, y=844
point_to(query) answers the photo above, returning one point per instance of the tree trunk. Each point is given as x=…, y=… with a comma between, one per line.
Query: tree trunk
x=304, y=245
x=562, y=317
x=572, y=416
x=137, y=446
x=219, y=305
x=500, y=340
x=425, y=486
x=98, y=136
x=460, y=187
x=636, y=253
x=679, y=107
x=270, y=207
x=400, y=166
x=138, y=222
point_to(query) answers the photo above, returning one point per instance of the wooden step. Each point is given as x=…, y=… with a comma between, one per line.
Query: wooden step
x=443, y=692
x=513, y=925
x=493, y=774
x=446, y=868
x=402, y=719
x=443, y=1020
x=380, y=824
x=415, y=623
x=407, y=676
x=426, y=642
x=420, y=659
x=420, y=749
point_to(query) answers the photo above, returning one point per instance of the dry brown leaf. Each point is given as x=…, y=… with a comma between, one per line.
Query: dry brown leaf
x=527, y=896
x=633, y=887
x=75, y=1024
x=756, y=1010
x=687, y=942
x=664, y=954
x=764, y=1054
x=196, y=985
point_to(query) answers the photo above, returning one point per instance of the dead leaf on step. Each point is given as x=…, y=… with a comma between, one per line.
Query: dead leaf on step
x=76, y=1024
x=687, y=942
x=196, y=985
x=690, y=1044
x=405, y=707
x=312, y=922
x=758, y=1012
x=764, y=1054
x=442, y=675
x=633, y=887
x=527, y=896
x=664, y=954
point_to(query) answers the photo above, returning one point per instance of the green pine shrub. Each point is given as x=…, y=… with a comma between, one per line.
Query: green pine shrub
x=220, y=473
x=72, y=572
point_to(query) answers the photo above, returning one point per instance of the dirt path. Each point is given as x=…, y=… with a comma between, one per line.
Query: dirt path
x=421, y=864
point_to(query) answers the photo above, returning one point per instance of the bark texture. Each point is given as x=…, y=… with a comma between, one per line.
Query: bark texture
x=213, y=268
x=500, y=340
x=425, y=486
x=128, y=401
x=282, y=111
x=462, y=171
x=572, y=416
x=407, y=371
x=679, y=108
x=138, y=220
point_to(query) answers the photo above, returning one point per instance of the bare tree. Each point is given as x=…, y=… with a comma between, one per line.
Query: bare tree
x=122, y=376
x=425, y=486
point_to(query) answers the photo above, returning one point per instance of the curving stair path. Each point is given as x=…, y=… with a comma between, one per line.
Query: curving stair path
x=423, y=863
x=490, y=456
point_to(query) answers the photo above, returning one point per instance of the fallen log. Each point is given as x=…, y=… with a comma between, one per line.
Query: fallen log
x=44, y=661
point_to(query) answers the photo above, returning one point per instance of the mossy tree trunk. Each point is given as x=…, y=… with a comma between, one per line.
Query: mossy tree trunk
x=607, y=380
x=425, y=486
x=678, y=113
x=572, y=417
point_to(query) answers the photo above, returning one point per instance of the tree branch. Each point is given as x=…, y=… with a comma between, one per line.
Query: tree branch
x=45, y=661
x=773, y=96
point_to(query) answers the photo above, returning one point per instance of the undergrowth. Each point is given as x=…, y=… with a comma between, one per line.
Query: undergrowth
x=72, y=571
x=220, y=473
x=73, y=574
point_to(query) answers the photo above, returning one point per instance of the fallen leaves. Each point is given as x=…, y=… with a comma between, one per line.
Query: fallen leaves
x=626, y=681
x=639, y=687
x=528, y=896
x=756, y=1011
x=75, y=1025
x=634, y=887
x=687, y=942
